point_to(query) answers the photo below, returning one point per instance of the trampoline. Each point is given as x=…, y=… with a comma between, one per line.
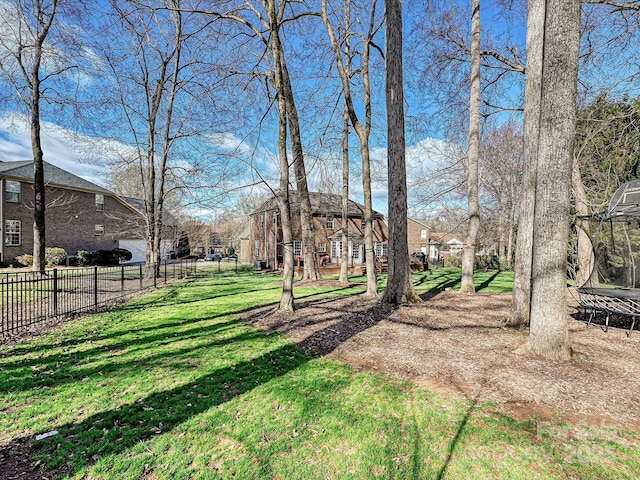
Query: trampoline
x=608, y=277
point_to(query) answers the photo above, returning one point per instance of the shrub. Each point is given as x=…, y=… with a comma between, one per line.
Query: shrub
x=25, y=260
x=85, y=258
x=231, y=251
x=54, y=256
x=453, y=261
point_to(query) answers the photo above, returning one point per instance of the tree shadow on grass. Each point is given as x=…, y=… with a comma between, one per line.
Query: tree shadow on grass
x=85, y=366
x=488, y=281
x=112, y=432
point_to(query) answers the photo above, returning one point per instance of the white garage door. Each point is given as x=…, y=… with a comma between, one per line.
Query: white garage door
x=138, y=249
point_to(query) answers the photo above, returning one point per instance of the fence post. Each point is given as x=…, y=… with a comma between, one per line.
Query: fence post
x=141, y=276
x=155, y=283
x=95, y=286
x=236, y=265
x=121, y=278
x=165, y=271
x=55, y=292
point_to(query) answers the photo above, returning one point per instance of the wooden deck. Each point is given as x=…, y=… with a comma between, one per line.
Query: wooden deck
x=329, y=270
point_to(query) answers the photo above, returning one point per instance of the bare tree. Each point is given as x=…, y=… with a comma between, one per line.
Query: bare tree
x=361, y=127
x=155, y=74
x=399, y=284
x=29, y=63
x=469, y=248
x=284, y=205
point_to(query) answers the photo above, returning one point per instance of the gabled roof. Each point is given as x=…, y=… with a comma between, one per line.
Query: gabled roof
x=321, y=204
x=138, y=205
x=23, y=170
x=442, y=238
x=419, y=222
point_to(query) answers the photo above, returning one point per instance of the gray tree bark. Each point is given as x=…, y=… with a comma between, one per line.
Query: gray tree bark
x=363, y=130
x=344, y=266
x=284, y=204
x=548, y=333
x=399, y=284
x=521, y=298
x=469, y=248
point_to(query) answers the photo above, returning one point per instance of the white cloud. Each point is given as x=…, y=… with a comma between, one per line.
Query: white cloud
x=65, y=149
x=423, y=158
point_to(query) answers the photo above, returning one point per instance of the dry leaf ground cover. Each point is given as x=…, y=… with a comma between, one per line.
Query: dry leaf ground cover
x=457, y=343
x=180, y=384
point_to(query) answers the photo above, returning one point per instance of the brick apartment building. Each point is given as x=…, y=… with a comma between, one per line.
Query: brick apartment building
x=79, y=215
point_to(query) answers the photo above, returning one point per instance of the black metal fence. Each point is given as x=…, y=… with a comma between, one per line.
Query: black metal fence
x=29, y=298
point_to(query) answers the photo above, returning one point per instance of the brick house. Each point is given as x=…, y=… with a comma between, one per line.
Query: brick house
x=265, y=236
x=445, y=245
x=79, y=215
x=417, y=236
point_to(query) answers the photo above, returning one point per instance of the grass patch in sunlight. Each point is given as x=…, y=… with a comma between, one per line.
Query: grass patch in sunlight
x=174, y=386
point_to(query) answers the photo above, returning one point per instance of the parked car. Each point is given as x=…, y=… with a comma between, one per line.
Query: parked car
x=233, y=256
x=213, y=257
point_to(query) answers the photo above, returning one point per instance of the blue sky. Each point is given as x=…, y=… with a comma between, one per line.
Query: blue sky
x=426, y=149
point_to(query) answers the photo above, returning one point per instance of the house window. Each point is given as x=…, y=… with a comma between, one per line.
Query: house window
x=380, y=249
x=322, y=247
x=99, y=230
x=99, y=202
x=362, y=223
x=423, y=234
x=256, y=251
x=336, y=249
x=329, y=221
x=12, y=233
x=355, y=250
x=297, y=248
x=275, y=219
x=13, y=191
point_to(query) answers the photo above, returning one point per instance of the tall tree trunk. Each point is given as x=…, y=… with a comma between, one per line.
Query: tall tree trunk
x=399, y=285
x=362, y=130
x=586, y=272
x=344, y=266
x=167, y=140
x=284, y=204
x=311, y=270
x=44, y=23
x=548, y=334
x=469, y=248
x=521, y=298
x=39, y=237
x=370, y=255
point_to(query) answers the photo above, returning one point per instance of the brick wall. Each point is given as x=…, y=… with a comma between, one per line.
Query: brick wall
x=415, y=231
x=266, y=234
x=71, y=218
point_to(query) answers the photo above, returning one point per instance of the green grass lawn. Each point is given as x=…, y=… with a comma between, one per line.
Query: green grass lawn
x=174, y=386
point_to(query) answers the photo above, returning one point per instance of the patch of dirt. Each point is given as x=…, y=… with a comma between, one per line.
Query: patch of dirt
x=457, y=343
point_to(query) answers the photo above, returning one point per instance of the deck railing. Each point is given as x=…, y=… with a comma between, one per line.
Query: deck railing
x=30, y=298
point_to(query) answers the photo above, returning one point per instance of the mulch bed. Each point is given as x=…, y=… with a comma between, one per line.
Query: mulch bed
x=458, y=344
